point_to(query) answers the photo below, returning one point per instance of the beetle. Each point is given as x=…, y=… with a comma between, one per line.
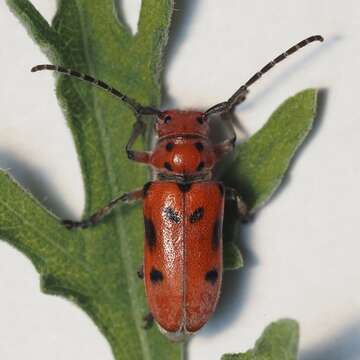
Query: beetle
x=183, y=206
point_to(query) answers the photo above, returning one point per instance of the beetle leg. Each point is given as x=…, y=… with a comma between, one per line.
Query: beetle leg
x=224, y=147
x=99, y=215
x=138, y=156
x=148, y=321
x=233, y=194
x=228, y=145
x=140, y=272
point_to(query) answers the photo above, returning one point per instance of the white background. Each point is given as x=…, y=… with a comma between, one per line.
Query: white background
x=302, y=252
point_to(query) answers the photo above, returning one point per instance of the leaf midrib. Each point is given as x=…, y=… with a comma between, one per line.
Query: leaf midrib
x=111, y=178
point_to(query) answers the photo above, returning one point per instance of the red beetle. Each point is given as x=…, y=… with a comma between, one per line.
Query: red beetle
x=183, y=207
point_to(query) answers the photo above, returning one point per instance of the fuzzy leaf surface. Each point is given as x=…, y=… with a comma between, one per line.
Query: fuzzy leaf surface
x=279, y=341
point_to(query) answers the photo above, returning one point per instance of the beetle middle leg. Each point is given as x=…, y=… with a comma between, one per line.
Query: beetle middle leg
x=233, y=194
x=100, y=214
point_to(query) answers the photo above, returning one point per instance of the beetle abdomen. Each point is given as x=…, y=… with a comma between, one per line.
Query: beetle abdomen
x=183, y=253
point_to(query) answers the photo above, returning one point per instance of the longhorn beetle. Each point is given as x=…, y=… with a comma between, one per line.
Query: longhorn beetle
x=183, y=206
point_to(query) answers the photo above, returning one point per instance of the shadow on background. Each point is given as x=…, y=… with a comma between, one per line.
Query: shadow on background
x=35, y=182
x=344, y=345
x=183, y=16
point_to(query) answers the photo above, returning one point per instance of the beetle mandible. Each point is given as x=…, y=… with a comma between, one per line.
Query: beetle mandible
x=183, y=206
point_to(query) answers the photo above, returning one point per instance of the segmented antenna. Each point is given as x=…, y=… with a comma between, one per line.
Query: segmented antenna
x=240, y=94
x=135, y=106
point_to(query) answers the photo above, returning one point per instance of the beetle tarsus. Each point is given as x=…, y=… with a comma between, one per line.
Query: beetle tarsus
x=148, y=320
x=130, y=154
x=140, y=272
x=69, y=224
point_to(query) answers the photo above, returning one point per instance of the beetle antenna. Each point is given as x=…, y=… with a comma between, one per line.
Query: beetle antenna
x=240, y=94
x=135, y=106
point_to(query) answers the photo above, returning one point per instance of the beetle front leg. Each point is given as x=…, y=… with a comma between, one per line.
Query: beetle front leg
x=99, y=215
x=224, y=147
x=233, y=194
x=138, y=156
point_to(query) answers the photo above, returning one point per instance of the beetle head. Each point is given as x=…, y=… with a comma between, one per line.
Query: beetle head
x=177, y=122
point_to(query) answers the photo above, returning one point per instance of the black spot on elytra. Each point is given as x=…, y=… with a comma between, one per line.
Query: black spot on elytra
x=167, y=166
x=212, y=276
x=199, y=146
x=200, y=166
x=146, y=188
x=216, y=235
x=221, y=188
x=197, y=215
x=156, y=275
x=184, y=187
x=169, y=146
x=150, y=233
x=172, y=215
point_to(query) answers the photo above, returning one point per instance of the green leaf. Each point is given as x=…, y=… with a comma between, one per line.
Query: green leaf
x=36, y=26
x=261, y=163
x=279, y=341
x=96, y=268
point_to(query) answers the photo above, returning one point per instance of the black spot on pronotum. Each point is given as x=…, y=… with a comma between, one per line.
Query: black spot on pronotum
x=200, y=166
x=167, y=119
x=169, y=146
x=199, y=146
x=171, y=215
x=150, y=233
x=156, y=275
x=197, y=215
x=167, y=166
x=216, y=235
x=184, y=187
x=221, y=188
x=212, y=276
x=146, y=188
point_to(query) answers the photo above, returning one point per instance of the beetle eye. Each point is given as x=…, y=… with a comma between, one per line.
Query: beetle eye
x=200, y=119
x=167, y=119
